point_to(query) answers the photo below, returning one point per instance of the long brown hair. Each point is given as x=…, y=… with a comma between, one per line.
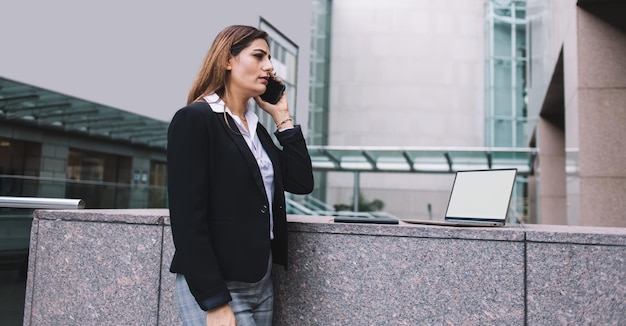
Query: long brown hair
x=213, y=76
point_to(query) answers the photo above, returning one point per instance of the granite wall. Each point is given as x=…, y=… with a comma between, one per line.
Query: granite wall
x=110, y=267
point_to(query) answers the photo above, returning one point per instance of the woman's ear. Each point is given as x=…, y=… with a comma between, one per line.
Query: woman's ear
x=228, y=65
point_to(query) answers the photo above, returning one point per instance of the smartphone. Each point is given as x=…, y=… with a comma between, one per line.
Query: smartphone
x=273, y=92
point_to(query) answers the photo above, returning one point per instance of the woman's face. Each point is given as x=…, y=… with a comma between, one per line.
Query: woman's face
x=250, y=69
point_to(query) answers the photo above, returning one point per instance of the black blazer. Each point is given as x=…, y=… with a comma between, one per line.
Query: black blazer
x=218, y=205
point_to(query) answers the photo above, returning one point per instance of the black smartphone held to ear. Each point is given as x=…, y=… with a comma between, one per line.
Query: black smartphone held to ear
x=273, y=92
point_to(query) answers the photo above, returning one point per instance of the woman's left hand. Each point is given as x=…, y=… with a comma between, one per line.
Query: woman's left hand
x=279, y=111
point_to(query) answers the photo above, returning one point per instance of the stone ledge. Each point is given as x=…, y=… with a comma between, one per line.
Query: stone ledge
x=116, y=271
x=129, y=216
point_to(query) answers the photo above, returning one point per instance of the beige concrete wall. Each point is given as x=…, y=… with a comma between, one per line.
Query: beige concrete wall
x=409, y=73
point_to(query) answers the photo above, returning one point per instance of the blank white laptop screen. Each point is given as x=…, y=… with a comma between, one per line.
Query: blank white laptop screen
x=481, y=194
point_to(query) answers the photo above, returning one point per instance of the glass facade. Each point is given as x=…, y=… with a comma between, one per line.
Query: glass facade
x=320, y=68
x=157, y=197
x=96, y=178
x=19, y=162
x=319, y=84
x=505, y=76
x=102, y=180
x=506, y=86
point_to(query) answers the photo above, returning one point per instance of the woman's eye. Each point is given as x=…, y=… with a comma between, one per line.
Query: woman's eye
x=259, y=56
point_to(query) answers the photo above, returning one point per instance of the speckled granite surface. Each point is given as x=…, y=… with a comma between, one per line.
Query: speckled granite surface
x=360, y=279
x=576, y=275
x=93, y=273
x=111, y=268
x=168, y=311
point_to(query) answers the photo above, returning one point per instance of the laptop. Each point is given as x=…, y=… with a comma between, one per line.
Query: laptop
x=477, y=198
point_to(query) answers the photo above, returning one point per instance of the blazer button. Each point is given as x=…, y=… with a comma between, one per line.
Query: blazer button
x=264, y=209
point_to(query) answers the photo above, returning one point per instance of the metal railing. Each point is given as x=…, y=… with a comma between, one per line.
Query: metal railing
x=314, y=206
x=41, y=203
x=95, y=194
x=15, y=221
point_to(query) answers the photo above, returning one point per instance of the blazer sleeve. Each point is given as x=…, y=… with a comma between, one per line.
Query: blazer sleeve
x=295, y=161
x=188, y=158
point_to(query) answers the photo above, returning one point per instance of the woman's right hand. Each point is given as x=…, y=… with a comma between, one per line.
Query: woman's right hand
x=221, y=316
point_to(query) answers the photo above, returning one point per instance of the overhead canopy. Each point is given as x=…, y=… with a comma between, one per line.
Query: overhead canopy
x=47, y=109
x=420, y=159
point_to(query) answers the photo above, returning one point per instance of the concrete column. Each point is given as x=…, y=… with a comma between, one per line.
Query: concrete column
x=602, y=116
x=532, y=198
x=552, y=189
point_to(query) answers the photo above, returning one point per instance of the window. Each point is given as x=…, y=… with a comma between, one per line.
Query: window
x=157, y=196
x=101, y=180
x=505, y=75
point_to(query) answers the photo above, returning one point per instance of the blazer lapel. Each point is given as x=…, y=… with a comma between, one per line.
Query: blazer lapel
x=244, y=149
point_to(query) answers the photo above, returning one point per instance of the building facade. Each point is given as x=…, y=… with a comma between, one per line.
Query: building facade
x=577, y=91
x=545, y=75
x=408, y=74
x=411, y=74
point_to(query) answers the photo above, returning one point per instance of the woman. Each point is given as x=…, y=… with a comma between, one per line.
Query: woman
x=226, y=183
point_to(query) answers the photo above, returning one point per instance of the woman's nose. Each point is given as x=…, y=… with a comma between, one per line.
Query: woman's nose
x=269, y=67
